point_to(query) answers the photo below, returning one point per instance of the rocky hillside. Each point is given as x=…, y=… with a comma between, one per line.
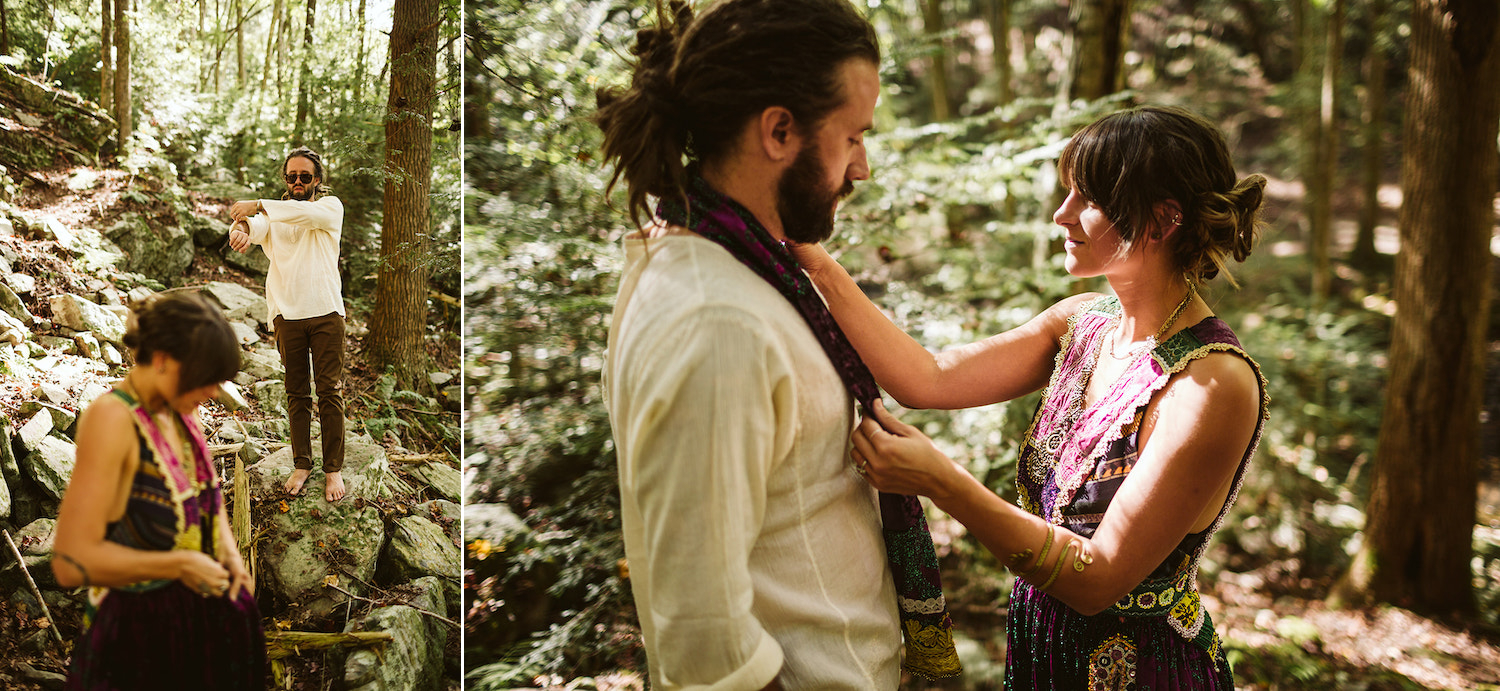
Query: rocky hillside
x=78, y=243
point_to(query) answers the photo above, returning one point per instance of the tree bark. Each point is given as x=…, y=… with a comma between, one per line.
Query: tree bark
x=932, y=24
x=239, y=44
x=359, y=63
x=1099, y=31
x=122, y=75
x=303, y=85
x=1373, y=130
x=4, y=30
x=1325, y=162
x=1000, y=36
x=399, y=325
x=106, y=56
x=1419, y=527
x=265, y=68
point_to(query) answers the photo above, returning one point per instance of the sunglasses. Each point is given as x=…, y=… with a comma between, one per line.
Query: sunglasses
x=294, y=177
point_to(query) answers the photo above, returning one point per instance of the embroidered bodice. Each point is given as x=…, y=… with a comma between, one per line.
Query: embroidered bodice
x=173, y=500
x=1076, y=456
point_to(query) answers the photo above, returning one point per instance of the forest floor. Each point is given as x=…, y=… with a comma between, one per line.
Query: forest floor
x=96, y=207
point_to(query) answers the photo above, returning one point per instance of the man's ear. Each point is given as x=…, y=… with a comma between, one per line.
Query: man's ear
x=777, y=132
x=1168, y=217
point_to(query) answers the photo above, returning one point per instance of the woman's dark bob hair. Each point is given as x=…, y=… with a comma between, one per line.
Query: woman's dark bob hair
x=190, y=329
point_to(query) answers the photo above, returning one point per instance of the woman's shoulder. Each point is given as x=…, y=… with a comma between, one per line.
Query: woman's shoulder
x=112, y=410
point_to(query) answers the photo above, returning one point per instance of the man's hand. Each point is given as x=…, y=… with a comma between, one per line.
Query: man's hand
x=239, y=240
x=244, y=209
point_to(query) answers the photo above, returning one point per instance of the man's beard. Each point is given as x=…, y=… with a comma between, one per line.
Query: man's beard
x=807, y=210
x=304, y=195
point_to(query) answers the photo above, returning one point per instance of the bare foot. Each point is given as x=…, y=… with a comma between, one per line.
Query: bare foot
x=294, y=483
x=335, y=487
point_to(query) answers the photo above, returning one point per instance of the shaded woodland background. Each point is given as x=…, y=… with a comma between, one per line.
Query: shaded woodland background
x=1311, y=583
x=190, y=106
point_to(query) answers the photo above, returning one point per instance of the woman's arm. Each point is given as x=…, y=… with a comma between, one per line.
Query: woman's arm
x=998, y=368
x=81, y=554
x=1177, y=486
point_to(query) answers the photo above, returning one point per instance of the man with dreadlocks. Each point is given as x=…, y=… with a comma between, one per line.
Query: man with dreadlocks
x=300, y=234
x=758, y=556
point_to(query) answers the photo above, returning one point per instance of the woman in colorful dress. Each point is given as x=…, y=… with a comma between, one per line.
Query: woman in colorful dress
x=1150, y=413
x=143, y=526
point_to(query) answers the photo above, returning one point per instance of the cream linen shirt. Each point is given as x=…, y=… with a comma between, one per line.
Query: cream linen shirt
x=755, y=549
x=302, y=241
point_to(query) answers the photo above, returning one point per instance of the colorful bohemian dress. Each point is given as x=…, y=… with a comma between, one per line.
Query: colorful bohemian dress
x=159, y=634
x=1074, y=460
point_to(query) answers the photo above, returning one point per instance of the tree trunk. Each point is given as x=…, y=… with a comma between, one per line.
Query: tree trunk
x=122, y=75
x=359, y=63
x=1325, y=162
x=1373, y=127
x=265, y=68
x=1099, y=31
x=932, y=24
x=239, y=44
x=1000, y=36
x=106, y=57
x=398, y=327
x=1420, y=522
x=203, y=45
x=4, y=30
x=306, y=74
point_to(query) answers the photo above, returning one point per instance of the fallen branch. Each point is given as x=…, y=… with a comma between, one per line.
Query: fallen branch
x=35, y=591
x=434, y=615
x=217, y=450
x=418, y=458
x=282, y=644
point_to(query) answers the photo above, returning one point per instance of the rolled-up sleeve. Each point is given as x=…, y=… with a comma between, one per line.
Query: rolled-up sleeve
x=701, y=440
x=325, y=213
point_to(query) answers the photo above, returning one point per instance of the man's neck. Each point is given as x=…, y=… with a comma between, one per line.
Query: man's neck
x=753, y=189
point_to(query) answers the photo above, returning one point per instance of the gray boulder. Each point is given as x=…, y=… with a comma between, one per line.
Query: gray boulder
x=312, y=538
x=418, y=548
x=12, y=305
x=244, y=333
x=254, y=261
x=444, y=479
x=160, y=252
x=51, y=465
x=444, y=513
x=239, y=302
x=271, y=394
x=62, y=418
x=36, y=538
x=207, y=232
x=260, y=365
x=79, y=314
x=35, y=430
x=413, y=660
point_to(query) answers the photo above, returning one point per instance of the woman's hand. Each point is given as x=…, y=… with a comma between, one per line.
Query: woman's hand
x=897, y=458
x=239, y=576
x=812, y=257
x=202, y=575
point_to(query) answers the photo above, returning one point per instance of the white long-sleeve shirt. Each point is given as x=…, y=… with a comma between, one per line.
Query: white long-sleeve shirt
x=302, y=241
x=755, y=549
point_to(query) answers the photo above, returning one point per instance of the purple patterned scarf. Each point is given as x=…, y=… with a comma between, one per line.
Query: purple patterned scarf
x=927, y=628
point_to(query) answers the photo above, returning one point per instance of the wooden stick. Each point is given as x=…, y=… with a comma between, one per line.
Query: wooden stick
x=418, y=458
x=51, y=623
x=217, y=450
x=434, y=615
x=283, y=644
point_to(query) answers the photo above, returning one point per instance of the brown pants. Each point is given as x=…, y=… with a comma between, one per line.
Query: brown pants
x=313, y=349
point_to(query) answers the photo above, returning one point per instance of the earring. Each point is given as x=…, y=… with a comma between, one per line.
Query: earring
x=1176, y=219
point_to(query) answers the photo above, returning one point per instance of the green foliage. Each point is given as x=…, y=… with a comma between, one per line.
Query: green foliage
x=539, y=279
